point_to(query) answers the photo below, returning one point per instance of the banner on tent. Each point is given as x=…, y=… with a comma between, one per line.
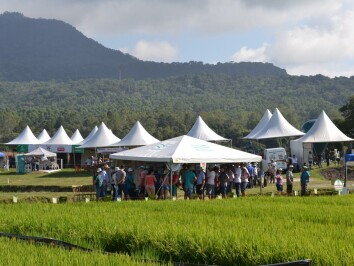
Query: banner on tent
x=58, y=148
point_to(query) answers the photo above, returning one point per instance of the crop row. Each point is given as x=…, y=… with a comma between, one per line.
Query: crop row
x=242, y=231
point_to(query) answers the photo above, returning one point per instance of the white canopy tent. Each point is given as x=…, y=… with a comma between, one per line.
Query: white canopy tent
x=322, y=131
x=25, y=138
x=40, y=152
x=261, y=124
x=186, y=149
x=102, y=138
x=43, y=136
x=201, y=130
x=93, y=132
x=76, y=137
x=137, y=136
x=60, y=138
x=277, y=127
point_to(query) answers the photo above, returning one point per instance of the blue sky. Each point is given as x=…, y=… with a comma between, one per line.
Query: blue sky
x=304, y=37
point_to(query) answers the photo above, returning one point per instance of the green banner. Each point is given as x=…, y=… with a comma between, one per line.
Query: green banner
x=22, y=148
x=75, y=149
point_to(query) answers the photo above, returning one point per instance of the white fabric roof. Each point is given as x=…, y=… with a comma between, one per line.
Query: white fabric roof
x=186, y=149
x=93, y=132
x=277, y=127
x=41, y=152
x=60, y=138
x=26, y=137
x=43, y=136
x=201, y=130
x=261, y=124
x=76, y=137
x=324, y=130
x=102, y=138
x=137, y=136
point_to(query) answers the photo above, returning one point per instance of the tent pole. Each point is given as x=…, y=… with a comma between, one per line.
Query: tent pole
x=170, y=166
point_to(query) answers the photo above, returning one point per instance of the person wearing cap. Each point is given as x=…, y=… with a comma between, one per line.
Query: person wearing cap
x=289, y=180
x=279, y=181
x=129, y=183
x=304, y=179
x=98, y=183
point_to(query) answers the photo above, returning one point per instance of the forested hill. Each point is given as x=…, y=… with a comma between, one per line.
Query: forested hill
x=47, y=49
x=231, y=105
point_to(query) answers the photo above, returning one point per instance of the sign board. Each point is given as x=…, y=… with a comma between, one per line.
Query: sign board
x=22, y=148
x=109, y=150
x=75, y=149
x=338, y=185
x=58, y=148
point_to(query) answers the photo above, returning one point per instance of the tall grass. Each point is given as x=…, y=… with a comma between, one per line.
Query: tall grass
x=243, y=231
x=14, y=252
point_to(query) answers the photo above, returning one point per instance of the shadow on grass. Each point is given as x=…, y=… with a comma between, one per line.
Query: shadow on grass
x=67, y=174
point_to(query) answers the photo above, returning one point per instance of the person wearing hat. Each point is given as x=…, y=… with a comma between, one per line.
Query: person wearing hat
x=105, y=177
x=304, y=179
x=289, y=180
x=98, y=183
x=272, y=171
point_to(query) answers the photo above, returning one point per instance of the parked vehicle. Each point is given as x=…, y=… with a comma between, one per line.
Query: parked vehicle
x=278, y=155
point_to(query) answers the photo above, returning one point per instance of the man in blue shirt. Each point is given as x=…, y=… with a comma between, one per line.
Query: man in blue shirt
x=251, y=171
x=304, y=179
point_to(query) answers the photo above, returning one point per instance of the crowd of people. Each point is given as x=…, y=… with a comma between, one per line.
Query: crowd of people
x=215, y=181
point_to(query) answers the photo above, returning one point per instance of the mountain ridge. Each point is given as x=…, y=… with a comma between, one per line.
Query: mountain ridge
x=48, y=49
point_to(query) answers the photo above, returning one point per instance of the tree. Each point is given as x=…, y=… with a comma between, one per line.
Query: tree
x=347, y=125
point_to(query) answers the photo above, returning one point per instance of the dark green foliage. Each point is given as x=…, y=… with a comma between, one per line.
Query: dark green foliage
x=230, y=105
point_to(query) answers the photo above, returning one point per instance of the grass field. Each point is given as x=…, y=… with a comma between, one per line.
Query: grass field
x=242, y=231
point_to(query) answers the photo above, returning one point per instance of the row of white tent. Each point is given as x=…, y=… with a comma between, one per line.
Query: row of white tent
x=276, y=126
x=103, y=137
x=192, y=148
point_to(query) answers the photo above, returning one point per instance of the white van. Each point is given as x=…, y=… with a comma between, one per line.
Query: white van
x=278, y=155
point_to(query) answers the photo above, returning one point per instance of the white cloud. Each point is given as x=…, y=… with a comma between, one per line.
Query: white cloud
x=155, y=51
x=246, y=54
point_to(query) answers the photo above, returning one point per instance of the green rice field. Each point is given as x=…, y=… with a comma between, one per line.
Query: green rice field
x=238, y=231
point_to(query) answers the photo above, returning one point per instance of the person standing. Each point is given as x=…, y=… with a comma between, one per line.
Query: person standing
x=223, y=179
x=238, y=179
x=251, y=172
x=189, y=178
x=98, y=183
x=304, y=180
x=289, y=180
x=327, y=156
x=142, y=174
x=211, y=176
x=175, y=181
x=114, y=188
x=310, y=159
x=200, y=182
x=120, y=183
x=272, y=171
x=105, y=176
x=150, y=181
x=319, y=160
x=295, y=163
x=279, y=181
x=130, y=184
x=244, y=179
x=231, y=178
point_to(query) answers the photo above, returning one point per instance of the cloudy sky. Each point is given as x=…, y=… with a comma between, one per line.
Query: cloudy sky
x=306, y=37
